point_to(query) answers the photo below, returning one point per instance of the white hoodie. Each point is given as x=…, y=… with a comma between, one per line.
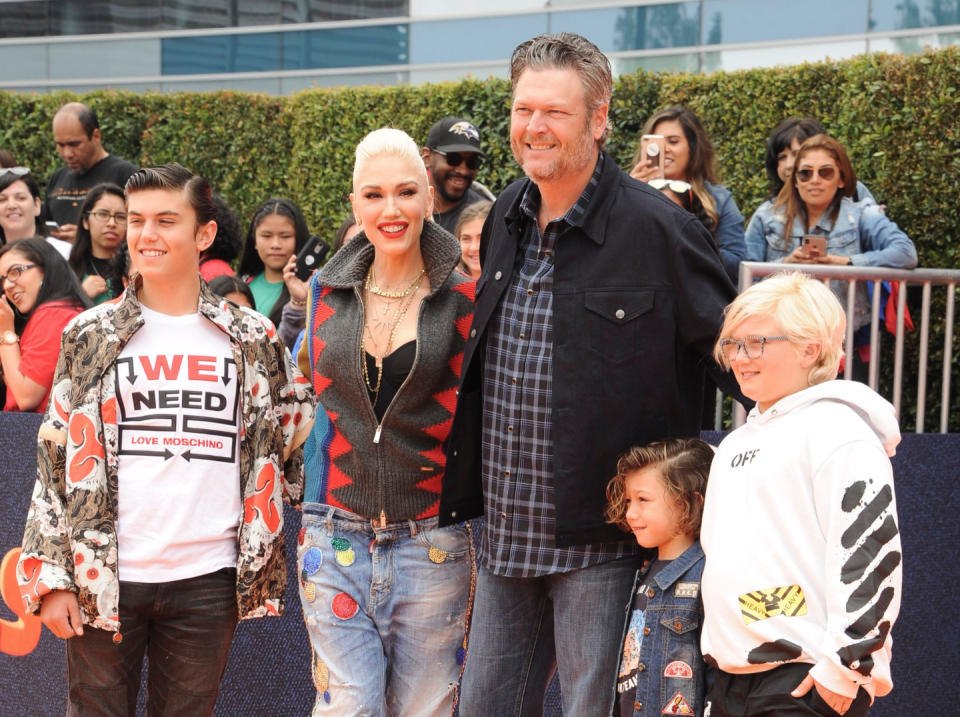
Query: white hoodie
x=800, y=533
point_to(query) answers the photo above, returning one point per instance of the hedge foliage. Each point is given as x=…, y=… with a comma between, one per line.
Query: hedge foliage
x=897, y=116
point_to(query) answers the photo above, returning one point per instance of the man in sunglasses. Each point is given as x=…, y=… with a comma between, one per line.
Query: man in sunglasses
x=453, y=156
x=76, y=133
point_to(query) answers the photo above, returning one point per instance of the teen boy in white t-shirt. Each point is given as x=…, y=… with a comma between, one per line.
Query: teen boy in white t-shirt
x=171, y=439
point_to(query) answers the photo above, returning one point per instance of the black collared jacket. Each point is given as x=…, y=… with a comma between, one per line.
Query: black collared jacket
x=639, y=294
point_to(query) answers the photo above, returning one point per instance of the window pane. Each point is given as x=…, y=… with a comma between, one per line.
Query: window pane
x=93, y=17
x=727, y=21
x=634, y=28
x=386, y=79
x=687, y=62
x=23, y=62
x=345, y=47
x=789, y=55
x=187, y=14
x=221, y=53
x=23, y=19
x=112, y=58
x=907, y=14
x=482, y=38
x=328, y=10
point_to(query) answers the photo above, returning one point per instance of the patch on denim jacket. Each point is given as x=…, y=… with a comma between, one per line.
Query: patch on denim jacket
x=678, y=668
x=677, y=706
x=686, y=590
x=788, y=601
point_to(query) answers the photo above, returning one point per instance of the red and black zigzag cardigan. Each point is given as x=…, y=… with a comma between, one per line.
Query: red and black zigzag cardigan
x=395, y=469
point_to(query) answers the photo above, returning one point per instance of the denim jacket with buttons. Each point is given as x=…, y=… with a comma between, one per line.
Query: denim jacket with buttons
x=670, y=660
x=861, y=231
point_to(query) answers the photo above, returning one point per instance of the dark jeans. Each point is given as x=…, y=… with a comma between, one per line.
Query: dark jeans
x=767, y=694
x=185, y=628
x=521, y=627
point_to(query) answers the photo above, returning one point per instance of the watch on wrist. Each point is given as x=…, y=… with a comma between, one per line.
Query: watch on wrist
x=8, y=338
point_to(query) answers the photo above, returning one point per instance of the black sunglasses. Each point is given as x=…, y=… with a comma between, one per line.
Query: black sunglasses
x=806, y=174
x=455, y=158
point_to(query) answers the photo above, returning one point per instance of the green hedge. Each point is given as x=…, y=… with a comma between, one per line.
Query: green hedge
x=898, y=117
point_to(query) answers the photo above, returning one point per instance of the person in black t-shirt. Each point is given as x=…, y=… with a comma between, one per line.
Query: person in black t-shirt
x=452, y=156
x=76, y=132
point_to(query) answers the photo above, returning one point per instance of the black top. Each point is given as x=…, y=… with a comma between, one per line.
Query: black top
x=630, y=655
x=67, y=188
x=396, y=367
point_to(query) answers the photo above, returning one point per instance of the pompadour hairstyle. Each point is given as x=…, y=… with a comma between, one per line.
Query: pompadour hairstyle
x=177, y=178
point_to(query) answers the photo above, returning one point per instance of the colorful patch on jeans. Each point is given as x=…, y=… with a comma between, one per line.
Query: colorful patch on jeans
x=340, y=544
x=344, y=606
x=303, y=577
x=300, y=536
x=686, y=590
x=346, y=557
x=677, y=706
x=788, y=601
x=310, y=592
x=312, y=560
x=678, y=668
x=321, y=678
x=436, y=555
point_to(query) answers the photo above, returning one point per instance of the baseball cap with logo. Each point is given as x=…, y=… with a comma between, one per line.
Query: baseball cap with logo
x=454, y=134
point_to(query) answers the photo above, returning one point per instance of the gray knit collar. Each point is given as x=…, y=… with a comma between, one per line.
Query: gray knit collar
x=348, y=267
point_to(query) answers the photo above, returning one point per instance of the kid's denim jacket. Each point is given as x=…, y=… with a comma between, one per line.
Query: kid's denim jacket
x=672, y=676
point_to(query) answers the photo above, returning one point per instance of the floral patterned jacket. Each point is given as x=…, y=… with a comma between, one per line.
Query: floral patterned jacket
x=70, y=540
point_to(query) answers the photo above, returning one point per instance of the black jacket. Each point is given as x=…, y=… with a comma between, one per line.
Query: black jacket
x=638, y=302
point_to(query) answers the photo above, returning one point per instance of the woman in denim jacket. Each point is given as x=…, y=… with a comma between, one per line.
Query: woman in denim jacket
x=817, y=201
x=657, y=495
x=688, y=157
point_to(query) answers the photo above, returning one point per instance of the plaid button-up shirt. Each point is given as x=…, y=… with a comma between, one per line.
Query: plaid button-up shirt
x=519, y=539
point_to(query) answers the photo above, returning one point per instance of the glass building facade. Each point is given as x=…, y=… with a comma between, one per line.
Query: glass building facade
x=280, y=46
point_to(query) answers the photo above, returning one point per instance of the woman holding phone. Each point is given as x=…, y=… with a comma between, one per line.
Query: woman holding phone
x=41, y=295
x=816, y=204
x=277, y=233
x=688, y=157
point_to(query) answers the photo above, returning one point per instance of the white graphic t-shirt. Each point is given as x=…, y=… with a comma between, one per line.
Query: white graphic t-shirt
x=179, y=504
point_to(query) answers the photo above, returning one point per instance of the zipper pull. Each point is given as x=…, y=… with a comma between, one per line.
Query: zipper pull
x=383, y=519
x=376, y=435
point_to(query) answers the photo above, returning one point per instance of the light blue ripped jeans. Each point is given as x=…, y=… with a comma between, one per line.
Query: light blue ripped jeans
x=386, y=611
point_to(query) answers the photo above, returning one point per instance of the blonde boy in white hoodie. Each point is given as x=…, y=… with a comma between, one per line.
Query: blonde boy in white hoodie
x=803, y=565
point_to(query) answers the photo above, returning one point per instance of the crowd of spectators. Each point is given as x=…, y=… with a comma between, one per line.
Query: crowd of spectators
x=453, y=343
x=82, y=214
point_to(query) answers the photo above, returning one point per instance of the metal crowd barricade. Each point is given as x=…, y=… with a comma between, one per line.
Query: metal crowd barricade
x=751, y=270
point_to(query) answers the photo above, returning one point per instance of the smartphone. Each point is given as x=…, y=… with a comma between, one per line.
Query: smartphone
x=651, y=152
x=311, y=256
x=52, y=225
x=815, y=245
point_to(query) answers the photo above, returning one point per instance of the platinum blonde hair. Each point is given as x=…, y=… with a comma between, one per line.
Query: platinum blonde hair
x=388, y=140
x=805, y=310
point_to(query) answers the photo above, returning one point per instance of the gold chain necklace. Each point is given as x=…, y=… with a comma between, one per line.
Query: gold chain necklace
x=401, y=312
x=371, y=286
